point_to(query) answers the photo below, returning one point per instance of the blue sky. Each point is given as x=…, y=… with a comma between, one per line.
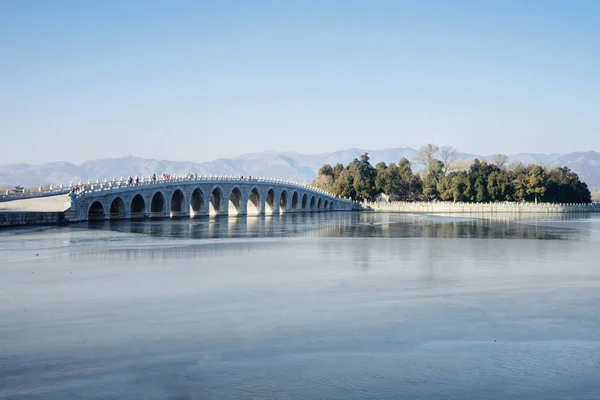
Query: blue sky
x=198, y=80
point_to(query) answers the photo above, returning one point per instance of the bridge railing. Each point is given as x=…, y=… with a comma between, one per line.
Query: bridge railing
x=8, y=196
x=83, y=189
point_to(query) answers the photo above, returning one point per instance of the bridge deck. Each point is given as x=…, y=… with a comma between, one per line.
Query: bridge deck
x=39, y=204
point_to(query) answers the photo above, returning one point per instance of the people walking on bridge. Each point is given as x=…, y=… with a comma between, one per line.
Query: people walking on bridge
x=153, y=177
x=137, y=180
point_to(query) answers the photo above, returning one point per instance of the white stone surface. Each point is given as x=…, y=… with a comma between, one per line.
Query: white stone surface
x=50, y=203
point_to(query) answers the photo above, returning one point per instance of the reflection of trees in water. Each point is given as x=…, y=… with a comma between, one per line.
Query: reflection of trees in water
x=439, y=262
x=478, y=229
x=429, y=256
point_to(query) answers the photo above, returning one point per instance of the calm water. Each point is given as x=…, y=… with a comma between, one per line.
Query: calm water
x=327, y=306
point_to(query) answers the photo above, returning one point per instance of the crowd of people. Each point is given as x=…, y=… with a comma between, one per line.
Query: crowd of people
x=78, y=188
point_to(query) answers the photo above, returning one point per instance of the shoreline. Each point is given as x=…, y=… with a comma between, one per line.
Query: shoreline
x=477, y=208
x=44, y=216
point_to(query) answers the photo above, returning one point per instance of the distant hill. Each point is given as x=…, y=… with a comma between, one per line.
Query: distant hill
x=283, y=165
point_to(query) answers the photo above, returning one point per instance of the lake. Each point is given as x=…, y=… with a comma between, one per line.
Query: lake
x=304, y=306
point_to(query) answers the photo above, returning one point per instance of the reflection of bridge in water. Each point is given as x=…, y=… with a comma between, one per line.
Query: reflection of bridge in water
x=347, y=225
x=379, y=237
x=341, y=225
x=203, y=196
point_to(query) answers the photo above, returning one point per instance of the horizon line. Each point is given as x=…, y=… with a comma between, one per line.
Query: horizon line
x=271, y=151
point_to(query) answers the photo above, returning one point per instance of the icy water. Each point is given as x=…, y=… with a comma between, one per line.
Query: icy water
x=322, y=306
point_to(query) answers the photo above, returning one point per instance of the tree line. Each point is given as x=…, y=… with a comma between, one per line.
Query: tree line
x=491, y=180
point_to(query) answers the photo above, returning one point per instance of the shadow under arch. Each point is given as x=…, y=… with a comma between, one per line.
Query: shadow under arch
x=157, y=205
x=270, y=201
x=96, y=211
x=216, y=201
x=283, y=201
x=235, y=202
x=295, y=201
x=197, y=203
x=117, y=209
x=177, y=203
x=138, y=207
x=253, y=203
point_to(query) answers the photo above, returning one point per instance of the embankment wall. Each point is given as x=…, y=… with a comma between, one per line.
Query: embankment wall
x=23, y=218
x=476, y=208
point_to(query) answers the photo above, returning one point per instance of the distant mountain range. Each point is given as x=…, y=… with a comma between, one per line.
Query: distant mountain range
x=283, y=165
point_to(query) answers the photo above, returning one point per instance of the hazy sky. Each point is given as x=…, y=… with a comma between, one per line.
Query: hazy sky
x=200, y=80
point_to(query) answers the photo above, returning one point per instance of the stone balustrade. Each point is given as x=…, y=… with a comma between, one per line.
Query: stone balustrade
x=460, y=207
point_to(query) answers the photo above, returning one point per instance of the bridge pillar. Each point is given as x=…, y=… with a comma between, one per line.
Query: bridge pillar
x=275, y=209
x=243, y=209
x=205, y=210
x=224, y=209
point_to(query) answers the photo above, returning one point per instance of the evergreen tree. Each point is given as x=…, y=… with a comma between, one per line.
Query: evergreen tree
x=482, y=182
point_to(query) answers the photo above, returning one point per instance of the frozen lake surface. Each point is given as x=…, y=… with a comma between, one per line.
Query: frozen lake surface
x=321, y=306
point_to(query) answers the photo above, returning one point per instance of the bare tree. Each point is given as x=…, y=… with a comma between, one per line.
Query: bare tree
x=499, y=160
x=449, y=156
x=426, y=154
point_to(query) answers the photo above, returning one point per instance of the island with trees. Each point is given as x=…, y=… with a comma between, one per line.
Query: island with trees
x=442, y=178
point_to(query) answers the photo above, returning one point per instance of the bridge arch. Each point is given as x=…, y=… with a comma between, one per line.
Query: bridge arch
x=270, y=201
x=177, y=203
x=216, y=201
x=235, y=202
x=117, y=209
x=96, y=211
x=194, y=197
x=295, y=201
x=157, y=205
x=137, y=208
x=197, y=203
x=253, y=206
x=283, y=201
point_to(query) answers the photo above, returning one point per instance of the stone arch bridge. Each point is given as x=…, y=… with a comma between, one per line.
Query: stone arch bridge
x=193, y=196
